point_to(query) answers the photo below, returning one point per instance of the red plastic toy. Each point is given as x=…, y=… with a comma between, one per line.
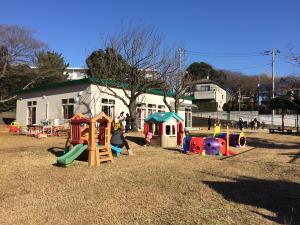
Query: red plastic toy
x=197, y=145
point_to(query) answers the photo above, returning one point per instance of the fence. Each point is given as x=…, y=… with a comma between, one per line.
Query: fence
x=289, y=120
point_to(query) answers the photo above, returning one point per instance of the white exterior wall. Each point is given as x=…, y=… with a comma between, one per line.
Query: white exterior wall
x=216, y=93
x=87, y=101
x=53, y=97
x=220, y=97
x=119, y=106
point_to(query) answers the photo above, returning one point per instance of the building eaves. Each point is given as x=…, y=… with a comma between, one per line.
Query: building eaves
x=92, y=80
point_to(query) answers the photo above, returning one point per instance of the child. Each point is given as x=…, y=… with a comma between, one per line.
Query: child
x=148, y=138
x=118, y=140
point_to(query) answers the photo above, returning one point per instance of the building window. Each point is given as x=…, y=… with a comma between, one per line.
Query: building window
x=108, y=107
x=68, y=107
x=188, y=117
x=31, y=112
x=161, y=108
x=151, y=109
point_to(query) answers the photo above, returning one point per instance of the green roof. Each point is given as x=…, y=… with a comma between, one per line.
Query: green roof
x=54, y=85
x=108, y=82
x=160, y=117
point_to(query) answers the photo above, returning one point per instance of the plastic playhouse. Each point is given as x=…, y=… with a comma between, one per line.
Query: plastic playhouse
x=167, y=128
x=91, y=134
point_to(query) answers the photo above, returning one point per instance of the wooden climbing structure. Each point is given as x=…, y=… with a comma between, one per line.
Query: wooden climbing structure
x=94, y=132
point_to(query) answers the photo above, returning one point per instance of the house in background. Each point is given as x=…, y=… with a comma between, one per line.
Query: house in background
x=209, y=95
x=59, y=102
x=76, y=73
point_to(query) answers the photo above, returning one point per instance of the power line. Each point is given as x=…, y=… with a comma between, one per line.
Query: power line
x=252, y=67
x=228, y=54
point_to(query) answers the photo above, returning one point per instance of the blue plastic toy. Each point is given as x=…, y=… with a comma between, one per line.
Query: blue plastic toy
x=186, y=144
x=117, y=150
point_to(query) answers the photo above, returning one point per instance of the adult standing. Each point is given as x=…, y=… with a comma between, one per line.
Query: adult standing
x=128, y=123
x=241, y=124
x=121, y=120
x=209, y=122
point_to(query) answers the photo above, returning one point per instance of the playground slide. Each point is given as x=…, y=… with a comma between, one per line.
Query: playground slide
x=69, y=157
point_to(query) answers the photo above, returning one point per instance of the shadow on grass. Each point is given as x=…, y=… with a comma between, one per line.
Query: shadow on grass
x=293, y=155
x=57, y=151
x=279, y=196
x=175, y=149
x=138, y=140
x=271, y=144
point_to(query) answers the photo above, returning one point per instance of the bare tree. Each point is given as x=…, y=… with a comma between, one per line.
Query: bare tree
x=294, y=59
x=135, y=53
x=17, y=47
x=177, y=85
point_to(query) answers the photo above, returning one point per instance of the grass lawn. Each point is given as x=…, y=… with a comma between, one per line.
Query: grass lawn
x=156, y=186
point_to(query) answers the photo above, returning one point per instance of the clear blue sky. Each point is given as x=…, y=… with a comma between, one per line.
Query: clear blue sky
x=74, y=28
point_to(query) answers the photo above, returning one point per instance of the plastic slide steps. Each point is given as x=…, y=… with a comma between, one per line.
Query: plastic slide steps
x=69, y=157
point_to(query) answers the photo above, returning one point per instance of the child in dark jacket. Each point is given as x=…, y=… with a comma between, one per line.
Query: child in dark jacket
x=118, y=139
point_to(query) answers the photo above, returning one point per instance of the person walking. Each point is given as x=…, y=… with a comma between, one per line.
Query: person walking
x=209, y=122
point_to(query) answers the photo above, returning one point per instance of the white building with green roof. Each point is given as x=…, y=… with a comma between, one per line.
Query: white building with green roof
x=58, y=102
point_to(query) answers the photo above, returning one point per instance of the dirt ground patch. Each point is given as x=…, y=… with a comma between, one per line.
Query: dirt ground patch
x=156, y=186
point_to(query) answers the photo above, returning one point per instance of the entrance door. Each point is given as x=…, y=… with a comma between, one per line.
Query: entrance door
x=141, y=113
x=31, y=115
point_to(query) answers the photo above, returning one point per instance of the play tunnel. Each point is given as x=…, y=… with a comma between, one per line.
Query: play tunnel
x=235, y=140
x=211, y=145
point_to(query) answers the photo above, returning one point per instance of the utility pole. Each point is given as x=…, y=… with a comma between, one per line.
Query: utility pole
x=181, y=58
x=273, y=73
x=258, y=93
x=273, y=82
x=273, y=52
x=239, y=100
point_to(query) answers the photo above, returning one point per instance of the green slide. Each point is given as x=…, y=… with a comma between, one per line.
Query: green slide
x=69, y=157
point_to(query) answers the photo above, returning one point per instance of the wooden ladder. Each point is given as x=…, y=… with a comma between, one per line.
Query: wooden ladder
x=105, y=153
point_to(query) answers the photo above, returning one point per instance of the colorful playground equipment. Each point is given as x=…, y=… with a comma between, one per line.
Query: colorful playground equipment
x=235, y=140
x=205, y=146
x=91, y=134
x=209, y=145
x=167, y=128
x=196, y=145
x=14, y=128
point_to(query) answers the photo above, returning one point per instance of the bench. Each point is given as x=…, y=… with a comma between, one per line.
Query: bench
x=288, y=131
